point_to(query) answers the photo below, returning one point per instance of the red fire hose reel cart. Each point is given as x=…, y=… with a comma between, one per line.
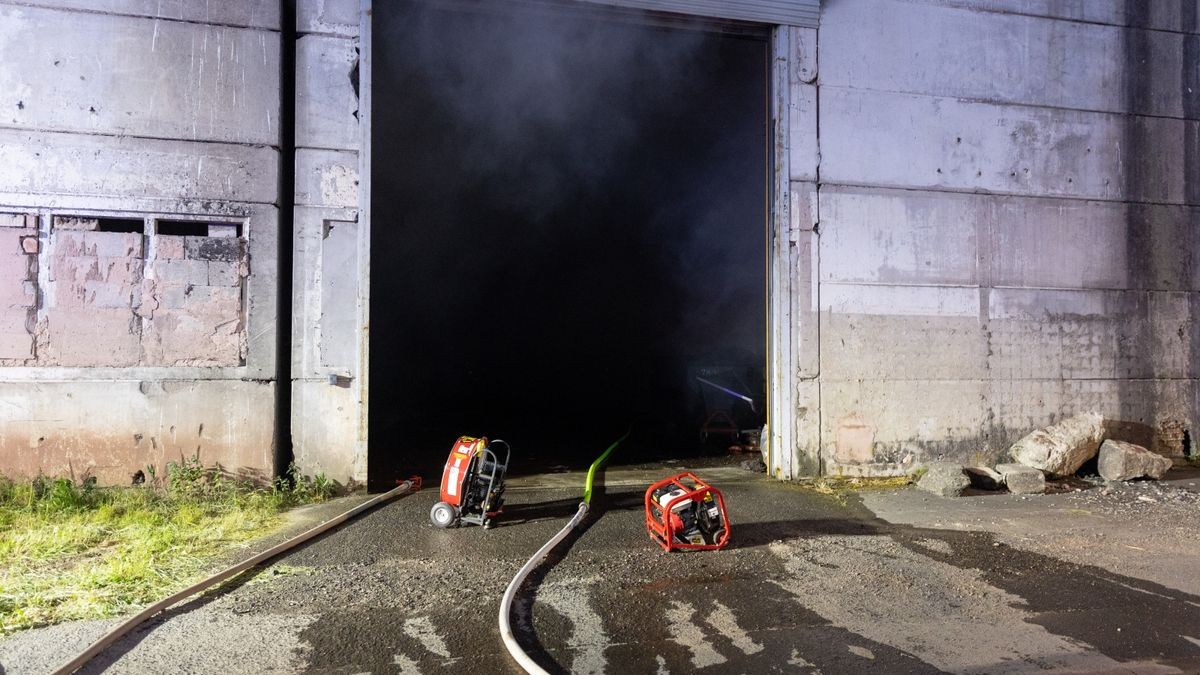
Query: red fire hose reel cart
x=684, y=512
x=472, y=483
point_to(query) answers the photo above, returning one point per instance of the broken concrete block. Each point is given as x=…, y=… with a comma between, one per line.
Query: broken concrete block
x=984, y=478
x=224, y=273
x=1060, y=449
x=29, y=244
x=12, y=220
x=67, y=243
x=1125, y=461
x=16, y=342
x=222, y=299
x=172, y=296
x=93, y=337
x=113, y=244
x=109, y=295
x=168, y=247
x=181, y=272
x=1021, y=479
x=944, y=480
x=223, y=249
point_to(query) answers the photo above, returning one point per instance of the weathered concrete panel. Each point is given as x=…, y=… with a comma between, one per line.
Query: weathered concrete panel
x=1005, y=58
x=334, y=17
x=806, y=456
x=97, y=73
x=111, y=429
x=1172, y=16
x=253, y=13
x=327, y=178
x=887, y=300
x=49, y=163
x=326, y=93
x=262, y=292
x=18, y=286
x=888, y=427
x=803, y=303
x=308, y=241
x=901, y=332
x=903, y=140
x=1059, y=243
x=1060, y=334
x=803, y=209
x=339, y=295
x=915, y=237
x=94, y=298
x=803, y=150
x=328, y=446
x=899, y=237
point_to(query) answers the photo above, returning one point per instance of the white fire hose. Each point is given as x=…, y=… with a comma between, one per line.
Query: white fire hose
x=506, y=632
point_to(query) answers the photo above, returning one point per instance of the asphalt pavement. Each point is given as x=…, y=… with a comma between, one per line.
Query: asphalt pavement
x=897, y=581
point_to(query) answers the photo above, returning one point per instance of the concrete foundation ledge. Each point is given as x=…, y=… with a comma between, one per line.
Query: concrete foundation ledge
x=112, y=429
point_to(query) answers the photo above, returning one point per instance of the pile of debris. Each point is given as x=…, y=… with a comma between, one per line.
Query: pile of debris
x=1056, y=451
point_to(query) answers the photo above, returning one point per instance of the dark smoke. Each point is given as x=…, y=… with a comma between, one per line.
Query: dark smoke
x=568, y=213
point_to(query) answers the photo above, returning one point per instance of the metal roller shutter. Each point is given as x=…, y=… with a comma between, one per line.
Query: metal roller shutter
x=781, y=12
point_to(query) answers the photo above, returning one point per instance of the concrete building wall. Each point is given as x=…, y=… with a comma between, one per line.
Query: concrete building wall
x=1009, y=225
x=330, y=265
x=139, y=174
x=987, y=217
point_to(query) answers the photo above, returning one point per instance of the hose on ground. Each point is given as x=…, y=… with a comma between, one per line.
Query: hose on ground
x=128, y=625
x=506, y=632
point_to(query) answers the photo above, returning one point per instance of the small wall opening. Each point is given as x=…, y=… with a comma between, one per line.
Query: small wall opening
x=198, y=228
x=100, y=224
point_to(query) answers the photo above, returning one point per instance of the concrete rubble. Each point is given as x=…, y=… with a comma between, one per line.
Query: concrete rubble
x=1060, y=449
x=1021, y=479
x=944, y=480
x=985, y=478
x=1120, y=460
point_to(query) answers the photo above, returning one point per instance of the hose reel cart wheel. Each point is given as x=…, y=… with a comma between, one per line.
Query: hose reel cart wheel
x=443, y=515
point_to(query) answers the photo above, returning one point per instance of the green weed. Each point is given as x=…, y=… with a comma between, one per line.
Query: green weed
x=73, y=550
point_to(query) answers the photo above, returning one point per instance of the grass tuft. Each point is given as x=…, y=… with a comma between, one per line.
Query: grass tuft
x=78, y=551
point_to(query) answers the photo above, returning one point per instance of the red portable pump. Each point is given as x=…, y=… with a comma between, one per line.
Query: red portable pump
x=472, y=483
x=685, y=512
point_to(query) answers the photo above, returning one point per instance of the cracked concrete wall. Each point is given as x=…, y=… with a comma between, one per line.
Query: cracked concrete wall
x=132, y=346
x=1009, y=226
x=329, y=272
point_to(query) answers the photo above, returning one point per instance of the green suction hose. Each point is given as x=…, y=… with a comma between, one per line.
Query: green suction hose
x=506, y=631
x=591, y=475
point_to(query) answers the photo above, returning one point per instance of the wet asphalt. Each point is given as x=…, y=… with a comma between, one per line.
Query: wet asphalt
x=811, y=582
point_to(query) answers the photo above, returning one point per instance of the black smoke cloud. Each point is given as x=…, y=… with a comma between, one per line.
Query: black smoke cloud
x=568, y=213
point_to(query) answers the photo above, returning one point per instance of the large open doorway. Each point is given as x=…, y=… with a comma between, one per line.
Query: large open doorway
x=568, y=230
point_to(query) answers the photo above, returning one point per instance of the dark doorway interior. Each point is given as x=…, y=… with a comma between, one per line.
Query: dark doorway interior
x=568, y=222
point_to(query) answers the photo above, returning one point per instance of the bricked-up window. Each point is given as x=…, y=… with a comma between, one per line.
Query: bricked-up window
x=197, y=269
x=19, y=247
x=127, y=290
x=94, y=293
